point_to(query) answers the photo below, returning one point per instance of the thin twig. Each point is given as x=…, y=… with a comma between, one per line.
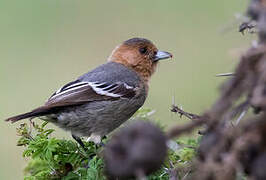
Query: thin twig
x=178, y=130
x=225, y=74
x=180, y=111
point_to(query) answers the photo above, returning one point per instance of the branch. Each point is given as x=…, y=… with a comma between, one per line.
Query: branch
x=181, y=112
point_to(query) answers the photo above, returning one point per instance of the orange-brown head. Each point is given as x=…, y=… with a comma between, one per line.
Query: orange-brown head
x=139, y=54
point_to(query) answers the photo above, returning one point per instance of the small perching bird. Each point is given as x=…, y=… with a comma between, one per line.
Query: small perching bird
x=102, y=99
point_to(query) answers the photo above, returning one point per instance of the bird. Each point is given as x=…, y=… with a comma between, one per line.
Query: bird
x=101, y=100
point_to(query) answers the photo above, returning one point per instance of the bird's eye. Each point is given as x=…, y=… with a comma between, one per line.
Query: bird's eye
x=143, y=50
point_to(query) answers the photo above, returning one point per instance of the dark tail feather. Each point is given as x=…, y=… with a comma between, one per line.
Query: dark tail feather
x=35, y=113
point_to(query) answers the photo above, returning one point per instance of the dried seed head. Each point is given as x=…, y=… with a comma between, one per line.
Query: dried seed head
x=139, y=147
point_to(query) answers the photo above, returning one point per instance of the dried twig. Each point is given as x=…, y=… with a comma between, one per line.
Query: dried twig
x=225, y=74
x=178, y=130
x=180, y=111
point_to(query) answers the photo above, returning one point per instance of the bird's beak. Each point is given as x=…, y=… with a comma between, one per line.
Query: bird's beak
x=162, y=55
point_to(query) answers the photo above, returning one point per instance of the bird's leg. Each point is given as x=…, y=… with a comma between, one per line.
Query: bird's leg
x=79, y=141
x=94, y=138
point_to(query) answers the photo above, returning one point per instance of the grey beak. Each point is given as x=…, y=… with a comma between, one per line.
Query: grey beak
x=162, y=55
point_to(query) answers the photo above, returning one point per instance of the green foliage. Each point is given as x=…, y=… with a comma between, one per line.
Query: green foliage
x=52, y=158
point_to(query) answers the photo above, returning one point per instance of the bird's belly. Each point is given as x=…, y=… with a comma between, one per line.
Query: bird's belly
x=100, y=117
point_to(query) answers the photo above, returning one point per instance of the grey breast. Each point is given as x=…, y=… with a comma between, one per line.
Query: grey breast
x=102, y=117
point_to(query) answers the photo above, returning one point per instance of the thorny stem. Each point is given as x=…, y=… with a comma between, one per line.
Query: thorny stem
x=178, y=130
x=180, y=111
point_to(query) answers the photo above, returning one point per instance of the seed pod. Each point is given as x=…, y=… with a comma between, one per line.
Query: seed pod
x=139, y=148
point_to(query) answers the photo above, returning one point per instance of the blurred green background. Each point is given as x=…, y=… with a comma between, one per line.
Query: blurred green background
x=47, y=43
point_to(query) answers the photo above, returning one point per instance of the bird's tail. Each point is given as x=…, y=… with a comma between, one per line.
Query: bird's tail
x=34, y=113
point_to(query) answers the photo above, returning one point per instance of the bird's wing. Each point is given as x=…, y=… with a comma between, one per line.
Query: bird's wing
x=77, y=93
x=80, y=92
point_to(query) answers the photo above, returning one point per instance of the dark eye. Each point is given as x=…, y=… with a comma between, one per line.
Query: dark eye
x=143, y=50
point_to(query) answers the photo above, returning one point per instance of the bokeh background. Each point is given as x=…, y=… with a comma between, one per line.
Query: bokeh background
x=47, y=43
